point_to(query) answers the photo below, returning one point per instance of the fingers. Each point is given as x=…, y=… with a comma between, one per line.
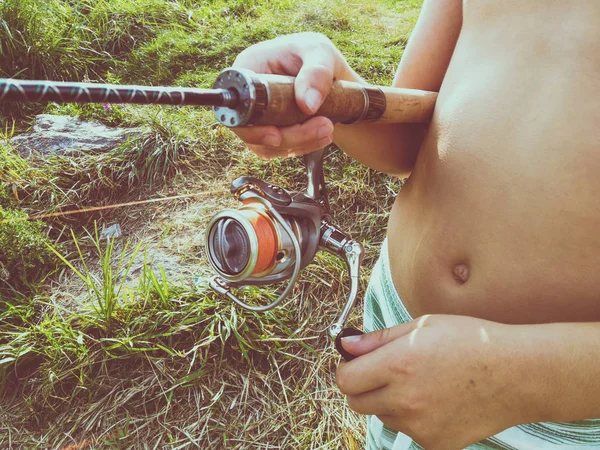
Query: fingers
x=310, y=57
x=262, y=56
x=270, y=142
x=376, y=402
x=364, y=374
x=314, y=80
x=268, y=136
x=368, y=342
x=383, y=355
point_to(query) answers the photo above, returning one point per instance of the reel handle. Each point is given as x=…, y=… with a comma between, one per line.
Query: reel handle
x=266, y=99
x=315, y=186
x=353, y=253
x=338, y=243
x=338, y=342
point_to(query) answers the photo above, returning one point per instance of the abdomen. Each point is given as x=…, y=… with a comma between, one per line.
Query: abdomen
x=507, y=186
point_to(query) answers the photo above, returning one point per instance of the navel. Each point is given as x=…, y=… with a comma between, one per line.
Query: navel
x=460, y=272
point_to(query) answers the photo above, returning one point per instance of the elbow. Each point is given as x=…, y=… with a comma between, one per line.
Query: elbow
x=402, y=159
x=401, y=169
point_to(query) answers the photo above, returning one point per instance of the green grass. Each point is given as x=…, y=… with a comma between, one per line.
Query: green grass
x=25, y=257
x=101, y=344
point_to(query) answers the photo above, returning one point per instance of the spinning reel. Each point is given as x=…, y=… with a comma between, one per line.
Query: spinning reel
x=274, y=235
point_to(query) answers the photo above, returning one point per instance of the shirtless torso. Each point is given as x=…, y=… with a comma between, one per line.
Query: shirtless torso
x=500, y=217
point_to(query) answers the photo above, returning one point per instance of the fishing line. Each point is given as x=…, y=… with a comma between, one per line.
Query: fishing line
x=106, y=207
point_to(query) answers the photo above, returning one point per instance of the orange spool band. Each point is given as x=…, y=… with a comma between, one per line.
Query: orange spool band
x=267, y=240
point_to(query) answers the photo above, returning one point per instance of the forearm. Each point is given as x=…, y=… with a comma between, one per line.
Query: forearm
x=560, y=366
x=389, y=148
x=394, y=148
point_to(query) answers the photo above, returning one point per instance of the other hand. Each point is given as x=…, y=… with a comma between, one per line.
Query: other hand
x=445, y=381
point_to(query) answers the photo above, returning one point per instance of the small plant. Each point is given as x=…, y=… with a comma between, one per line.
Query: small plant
x=24, y=258
x=151, y=283
x=105, y=288
x=6, y=199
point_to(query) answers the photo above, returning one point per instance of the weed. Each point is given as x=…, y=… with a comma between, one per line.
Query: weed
x=24, y=259
x=105, y=290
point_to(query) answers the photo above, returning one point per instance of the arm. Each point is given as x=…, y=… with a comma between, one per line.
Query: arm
x=450, y=381
x=564, y=360
x=315, y=62
x=393, y=148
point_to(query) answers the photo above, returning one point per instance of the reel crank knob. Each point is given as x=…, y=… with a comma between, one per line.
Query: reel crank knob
x=338, y=342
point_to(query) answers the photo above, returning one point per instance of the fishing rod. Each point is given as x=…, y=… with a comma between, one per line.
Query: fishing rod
x=274, y=233
x=241, y=97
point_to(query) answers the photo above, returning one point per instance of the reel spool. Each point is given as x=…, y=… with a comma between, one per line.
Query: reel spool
x=274, y=235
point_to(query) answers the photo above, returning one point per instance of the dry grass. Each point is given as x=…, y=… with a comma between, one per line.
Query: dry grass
x=172, y=365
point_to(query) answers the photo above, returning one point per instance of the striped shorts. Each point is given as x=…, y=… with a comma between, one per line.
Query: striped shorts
x=384, y=309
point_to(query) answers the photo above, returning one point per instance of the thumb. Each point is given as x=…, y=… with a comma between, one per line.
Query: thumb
x=314, y=80
x=366, y=343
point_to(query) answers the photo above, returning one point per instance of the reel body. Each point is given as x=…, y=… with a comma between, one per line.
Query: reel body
x=251, y=246
x=274, y=235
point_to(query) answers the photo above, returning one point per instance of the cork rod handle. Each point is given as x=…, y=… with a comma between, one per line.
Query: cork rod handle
x=348, y=102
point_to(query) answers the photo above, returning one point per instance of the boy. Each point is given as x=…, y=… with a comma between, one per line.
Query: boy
x=493, y=243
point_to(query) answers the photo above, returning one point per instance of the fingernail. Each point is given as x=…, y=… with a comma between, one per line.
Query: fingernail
x=271, y=141
x=324, y=131
x=312, y=97
x=351, y=339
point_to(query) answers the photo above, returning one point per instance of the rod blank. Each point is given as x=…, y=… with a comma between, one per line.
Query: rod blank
x=65, y=92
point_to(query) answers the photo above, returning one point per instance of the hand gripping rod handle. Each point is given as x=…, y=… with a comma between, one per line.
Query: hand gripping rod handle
x=266, y=99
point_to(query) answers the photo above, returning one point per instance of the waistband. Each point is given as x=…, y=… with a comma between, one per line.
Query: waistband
x=383, y=305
